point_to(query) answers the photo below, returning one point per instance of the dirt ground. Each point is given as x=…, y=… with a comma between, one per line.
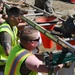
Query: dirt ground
x=65, y=7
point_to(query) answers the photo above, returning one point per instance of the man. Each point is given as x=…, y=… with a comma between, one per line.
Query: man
x=8, y=34
x=23, y=62
x=6, y=30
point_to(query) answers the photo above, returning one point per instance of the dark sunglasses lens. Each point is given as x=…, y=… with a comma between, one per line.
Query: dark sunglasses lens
x=36, y=39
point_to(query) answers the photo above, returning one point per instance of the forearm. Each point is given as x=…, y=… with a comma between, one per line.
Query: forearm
x=33, y=63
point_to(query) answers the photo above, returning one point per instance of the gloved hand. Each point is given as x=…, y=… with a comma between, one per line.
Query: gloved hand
x=67, y=64
x=67, y=28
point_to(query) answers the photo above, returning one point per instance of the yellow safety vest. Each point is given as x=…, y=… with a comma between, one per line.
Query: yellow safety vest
x=4, y=27
x=16, y=58
x=15, y=31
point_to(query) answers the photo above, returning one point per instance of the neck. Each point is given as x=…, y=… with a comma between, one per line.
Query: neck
x=26, y=48
x=9, y=23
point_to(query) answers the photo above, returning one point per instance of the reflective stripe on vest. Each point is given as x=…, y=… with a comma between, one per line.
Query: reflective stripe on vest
x=16, y=61
x=15, y=31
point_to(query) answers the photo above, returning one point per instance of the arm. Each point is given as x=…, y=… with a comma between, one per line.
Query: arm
x=21, y=26
x=33, y=63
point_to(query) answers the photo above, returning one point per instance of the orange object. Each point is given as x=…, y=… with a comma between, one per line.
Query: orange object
x=72, y=1
x=72, y=42
x=58, y=47
x=47, y=43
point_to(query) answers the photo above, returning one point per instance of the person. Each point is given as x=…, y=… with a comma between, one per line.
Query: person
x=8, y=34
x=21, y=26
x=44, y=4
x=3, y=56
x=6, y=30
x=23, y=62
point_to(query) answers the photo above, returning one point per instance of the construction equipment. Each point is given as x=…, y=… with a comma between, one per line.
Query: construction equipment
x=68, y=51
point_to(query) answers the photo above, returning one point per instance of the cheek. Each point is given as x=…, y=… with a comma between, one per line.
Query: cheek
x=36, y=44
x=13, y=22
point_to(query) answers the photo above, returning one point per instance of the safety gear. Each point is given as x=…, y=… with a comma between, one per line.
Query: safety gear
x=17, y=57
x=4, y=27
x=15, y=32
x=67, y=28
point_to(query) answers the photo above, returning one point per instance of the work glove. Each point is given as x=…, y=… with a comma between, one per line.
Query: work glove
x=67, y=64
x=68, y=26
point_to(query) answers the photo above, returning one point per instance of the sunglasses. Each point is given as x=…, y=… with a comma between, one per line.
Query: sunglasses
x=35, y=39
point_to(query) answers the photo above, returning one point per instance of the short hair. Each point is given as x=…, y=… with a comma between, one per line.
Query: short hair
x=28, y=34
x=14, y=11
